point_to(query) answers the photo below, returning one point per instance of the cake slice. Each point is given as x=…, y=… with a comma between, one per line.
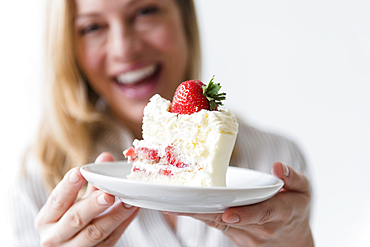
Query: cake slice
x=188, y=142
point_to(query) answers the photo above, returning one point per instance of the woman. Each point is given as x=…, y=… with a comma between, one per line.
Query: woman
x=105, y=59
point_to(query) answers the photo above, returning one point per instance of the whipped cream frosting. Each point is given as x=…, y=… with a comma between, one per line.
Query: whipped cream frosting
x=205, y=139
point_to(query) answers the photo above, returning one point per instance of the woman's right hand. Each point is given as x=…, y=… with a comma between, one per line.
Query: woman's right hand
x=95, y=220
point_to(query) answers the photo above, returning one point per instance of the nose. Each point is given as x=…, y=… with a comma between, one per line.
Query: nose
x=124, y=44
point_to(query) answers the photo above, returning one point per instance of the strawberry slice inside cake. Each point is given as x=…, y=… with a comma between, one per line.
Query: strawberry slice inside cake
x=187, y=142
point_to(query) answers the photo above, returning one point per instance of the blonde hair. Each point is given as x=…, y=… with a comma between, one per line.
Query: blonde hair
x=70, y=119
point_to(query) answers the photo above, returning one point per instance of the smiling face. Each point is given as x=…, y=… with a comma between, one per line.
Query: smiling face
x=129, y=50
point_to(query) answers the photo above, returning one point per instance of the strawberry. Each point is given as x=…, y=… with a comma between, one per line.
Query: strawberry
x=193, y=95
x=142, y=153
x=165, y=172
x=148, y=153
x=172, y=157
x=130, y=154
x=137, y=169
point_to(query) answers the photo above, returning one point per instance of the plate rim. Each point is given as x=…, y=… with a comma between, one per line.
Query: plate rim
x=278, y=183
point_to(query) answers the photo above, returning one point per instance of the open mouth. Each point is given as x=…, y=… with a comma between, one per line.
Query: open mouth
x=139, y=83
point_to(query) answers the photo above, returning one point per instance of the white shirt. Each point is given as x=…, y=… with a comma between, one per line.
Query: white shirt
x=255, y=149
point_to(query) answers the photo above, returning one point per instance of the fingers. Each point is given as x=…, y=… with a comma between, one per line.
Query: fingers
x=61, y=198
x=86, y=222
x=80, y=214
x=250, y=235
x=212, y=220
x=293, y=180
x=217, y=218
x=90, y=189
x=279, y=208
x=104, y=157
x=293, y=202
x=243, y=237
x=239, y=217
x=116, y=234
x=112, y=224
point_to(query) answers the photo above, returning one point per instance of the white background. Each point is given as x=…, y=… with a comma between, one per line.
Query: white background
x=300, y=68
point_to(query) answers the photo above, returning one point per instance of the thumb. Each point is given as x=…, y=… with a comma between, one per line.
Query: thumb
x=293, y=180
x=104, y=157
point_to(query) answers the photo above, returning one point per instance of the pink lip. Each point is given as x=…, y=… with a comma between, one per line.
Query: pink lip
x=143, y=89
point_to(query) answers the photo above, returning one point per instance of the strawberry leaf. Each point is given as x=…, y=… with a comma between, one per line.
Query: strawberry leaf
x=211, y=92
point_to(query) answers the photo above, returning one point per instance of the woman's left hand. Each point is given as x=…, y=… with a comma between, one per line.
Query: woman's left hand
x=282, y=220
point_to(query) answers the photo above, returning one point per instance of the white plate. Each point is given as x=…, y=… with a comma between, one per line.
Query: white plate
x=244, y=187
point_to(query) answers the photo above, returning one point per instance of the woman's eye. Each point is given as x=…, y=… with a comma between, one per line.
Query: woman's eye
x=147, y=10
x=90, y=29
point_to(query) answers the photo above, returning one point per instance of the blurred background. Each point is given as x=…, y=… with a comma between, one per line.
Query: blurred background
x=298, y=68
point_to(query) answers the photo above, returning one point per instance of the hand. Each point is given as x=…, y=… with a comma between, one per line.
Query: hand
x=93, y=221
x=282, y=220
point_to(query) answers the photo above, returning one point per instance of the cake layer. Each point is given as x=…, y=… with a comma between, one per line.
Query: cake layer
x=168, y=174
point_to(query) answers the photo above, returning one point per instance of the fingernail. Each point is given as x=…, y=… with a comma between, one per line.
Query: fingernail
x=101, y=200
x=233, y=218
x=285, y=169
x=73, y=177
x=127, y=205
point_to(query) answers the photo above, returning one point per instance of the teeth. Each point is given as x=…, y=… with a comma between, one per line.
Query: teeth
x=134, y=76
